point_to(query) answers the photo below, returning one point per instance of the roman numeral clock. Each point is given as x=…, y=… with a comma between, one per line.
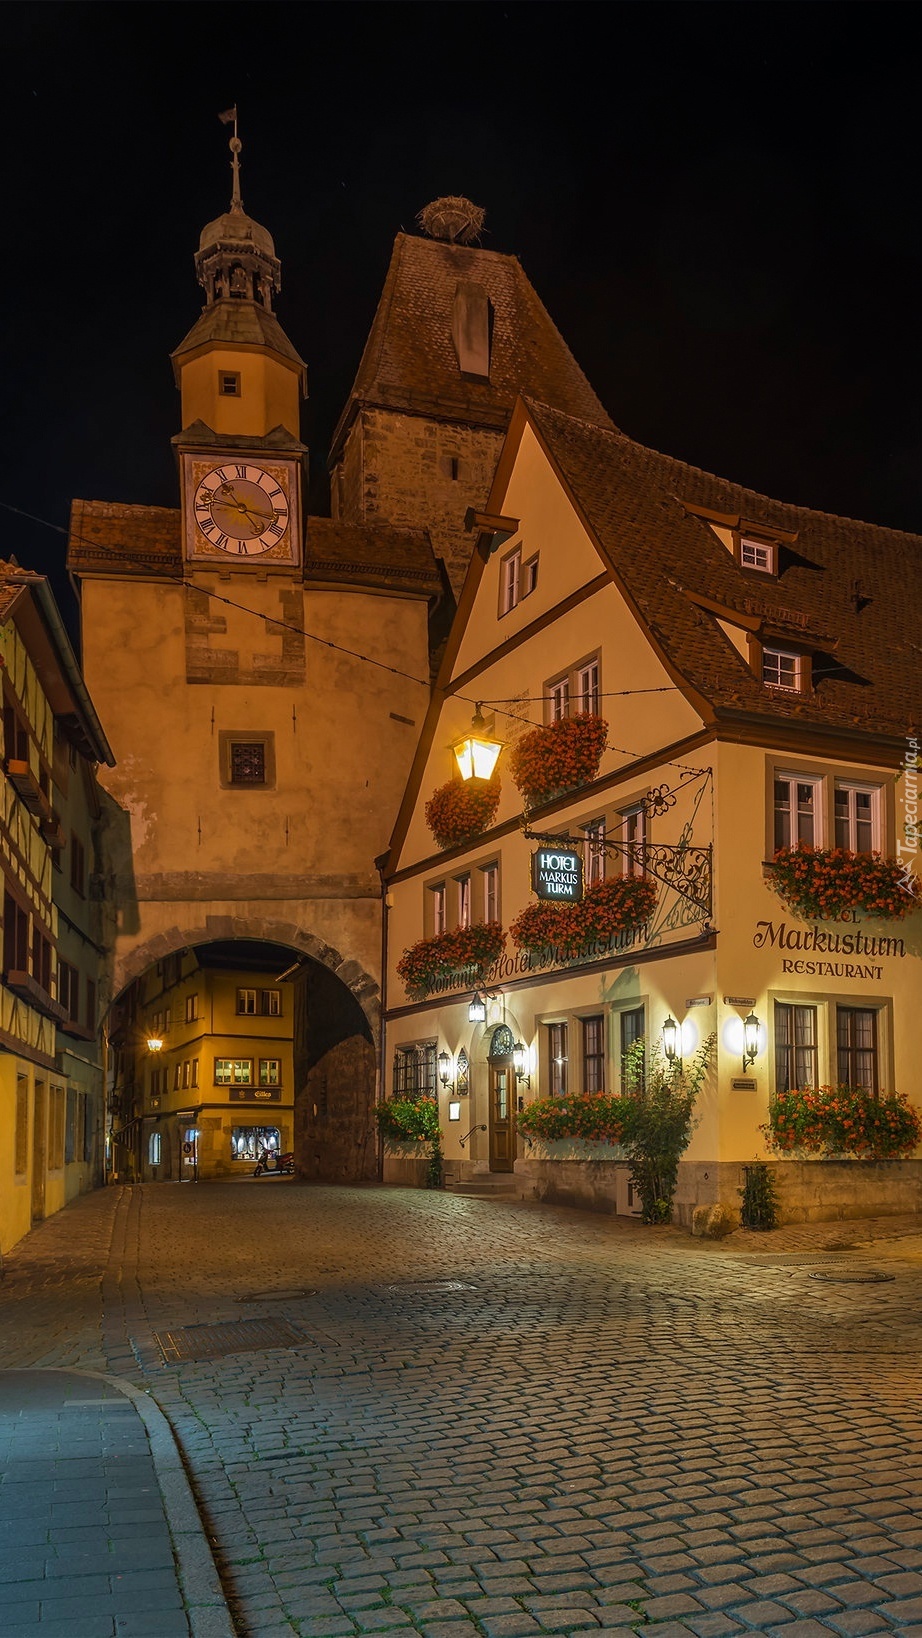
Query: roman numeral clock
x=242, y=512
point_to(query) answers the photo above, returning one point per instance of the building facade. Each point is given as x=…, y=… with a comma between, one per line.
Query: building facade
x=51, y=1081
x=751, y=664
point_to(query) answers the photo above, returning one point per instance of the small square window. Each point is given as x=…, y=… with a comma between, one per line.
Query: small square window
x=247, y=760
x=229, y=383
x=248, y=763
x=757, y=554
x=781, y=670
x=270, y=1071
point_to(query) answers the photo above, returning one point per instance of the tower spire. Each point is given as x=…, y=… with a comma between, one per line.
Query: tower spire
x=229, y=117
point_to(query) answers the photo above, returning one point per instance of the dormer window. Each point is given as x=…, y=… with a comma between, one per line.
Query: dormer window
x=783, y=669
x=757, y=554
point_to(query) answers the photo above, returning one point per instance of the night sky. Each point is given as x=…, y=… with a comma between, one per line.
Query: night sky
x=718, y=203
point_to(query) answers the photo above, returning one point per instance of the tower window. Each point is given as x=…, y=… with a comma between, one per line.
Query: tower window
x=229, y=383
x=247, y=760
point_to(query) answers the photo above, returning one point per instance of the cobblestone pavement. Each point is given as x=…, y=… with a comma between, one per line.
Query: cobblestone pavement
x=504, y=1420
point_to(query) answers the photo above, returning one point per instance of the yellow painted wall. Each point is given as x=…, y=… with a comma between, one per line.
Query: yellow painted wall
x=269, y=393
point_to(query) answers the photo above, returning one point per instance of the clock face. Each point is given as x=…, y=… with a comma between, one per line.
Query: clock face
x=241, y=509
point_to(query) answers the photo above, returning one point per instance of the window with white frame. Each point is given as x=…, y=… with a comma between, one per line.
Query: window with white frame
x=593, y=1031
x=437, y=907
x=270, y=1071
x=587, y=687
x=757, y=554
x=557, y=1059
x=594, y=852
x=463, y=890
x=578, y=689
x=782, y=669
x=518, y=578
x=233, y=1071
x=857, y=817
x=632, y=824
x=558, y=698
x=191, y=1008
x=489, y=887
x=795, y=1047
x=153, y=1149
x=797, y=810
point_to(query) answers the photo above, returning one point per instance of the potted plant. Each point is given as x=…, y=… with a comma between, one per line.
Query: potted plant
x=461, y=809
x=824, y=882
x=842, y=1120
x=462, y=950
x=546, y=762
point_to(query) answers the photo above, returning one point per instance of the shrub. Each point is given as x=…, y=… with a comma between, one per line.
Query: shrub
x=664, y=1096
x=548, y=761
x=408, y=1120
x=461, y=809
x=823, y=882
x=759, y=1209
x=842, y=1120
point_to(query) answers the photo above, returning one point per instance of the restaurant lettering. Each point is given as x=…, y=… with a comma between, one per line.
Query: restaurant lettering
x=778, y=935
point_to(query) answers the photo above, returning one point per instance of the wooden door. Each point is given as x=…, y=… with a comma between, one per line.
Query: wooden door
x=39, y=1145
x=502, y=1117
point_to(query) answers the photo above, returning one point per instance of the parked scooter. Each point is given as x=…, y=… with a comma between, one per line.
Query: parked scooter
x=271, y=1160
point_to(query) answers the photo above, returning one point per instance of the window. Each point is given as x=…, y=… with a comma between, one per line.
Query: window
x=195, y=1072
x=270, y=1071
x=578, y=689
x=557, y=1059
x=247, y=760
x=233, y=1071
x=249, y=1142
x=856, y=1043
x=177, y=1076
x=153, y=1149
x=192, y=1008
x=15, y=936
x=186, y=1072
x=265, y=1003
x=69, y=989
x=517, y=579
x=594, y=852
x=782, y=670
x=797, y=810
x=77, y=864
x=593, y=1053
x=633, y=836
x=56, y=1116
x=22, y=1125
x=633, y=1029
x=228, y=384
x=757, y=554
x=856, y=811
x=415, y=1070
x=795, y=1047
x=489, y=880
x=41, y=959
x=587, y=688
x=463, y=884
x=70, y=1134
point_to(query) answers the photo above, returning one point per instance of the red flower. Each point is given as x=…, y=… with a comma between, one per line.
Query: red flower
x=565, y=754
x=462, y=809
x=826, y=882
x=611, y=907
x=467, y=950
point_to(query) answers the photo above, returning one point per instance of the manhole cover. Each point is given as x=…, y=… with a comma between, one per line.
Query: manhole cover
x=295, y=1293
x=851, y=1276
x=413, y=1288
x=196, y=1342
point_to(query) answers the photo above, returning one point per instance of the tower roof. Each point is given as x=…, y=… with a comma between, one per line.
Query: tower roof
x=411, y=360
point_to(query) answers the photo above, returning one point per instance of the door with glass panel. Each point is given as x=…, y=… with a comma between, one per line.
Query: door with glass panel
x=502, y=1117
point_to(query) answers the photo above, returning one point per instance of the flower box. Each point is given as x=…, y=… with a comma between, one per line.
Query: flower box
x=611, y=907
x=469, y=950
x=546, y=762
x=591, y=1117
x=406, y=1122
x=462, y=809
x=824, y=883
x=840, y=1121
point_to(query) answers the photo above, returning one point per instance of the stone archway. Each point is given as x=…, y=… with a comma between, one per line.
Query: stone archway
x=336, y=1021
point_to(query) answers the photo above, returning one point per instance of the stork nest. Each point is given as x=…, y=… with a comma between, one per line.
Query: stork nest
x=452, y=218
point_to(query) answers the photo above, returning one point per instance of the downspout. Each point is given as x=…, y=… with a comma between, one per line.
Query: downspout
x=381, y=863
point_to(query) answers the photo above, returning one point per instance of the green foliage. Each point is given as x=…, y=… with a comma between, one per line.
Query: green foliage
x=408, y=1120
x=592, y=1116
x=434, y=1169
x=663, y=1095
x=759, y=1209
x=843, y=1120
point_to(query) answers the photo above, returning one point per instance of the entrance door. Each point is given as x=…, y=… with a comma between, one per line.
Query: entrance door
x=502, y=1118
x=39, y=1144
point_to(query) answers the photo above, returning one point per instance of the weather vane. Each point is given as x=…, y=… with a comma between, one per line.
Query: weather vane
x=229, y=117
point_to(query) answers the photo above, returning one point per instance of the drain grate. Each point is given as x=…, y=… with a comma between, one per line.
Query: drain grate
x=425, y=1288
x=196, y=1342
x=851, y=1276
x=295, y=1293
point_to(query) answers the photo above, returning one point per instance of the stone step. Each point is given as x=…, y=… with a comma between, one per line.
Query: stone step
x=486, y=1187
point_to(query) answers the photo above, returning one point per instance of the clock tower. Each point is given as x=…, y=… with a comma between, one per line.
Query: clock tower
x=241, y=380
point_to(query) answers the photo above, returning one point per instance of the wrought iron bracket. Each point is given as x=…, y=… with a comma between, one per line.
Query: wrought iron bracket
x=687, y=870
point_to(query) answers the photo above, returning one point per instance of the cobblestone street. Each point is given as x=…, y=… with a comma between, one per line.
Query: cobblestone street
x=504, y=1420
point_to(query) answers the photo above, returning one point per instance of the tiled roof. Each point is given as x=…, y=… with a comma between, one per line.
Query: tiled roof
x=239, y=323
x=410, y=362
x=858, y=581
x=13, y=582
x=110, y=538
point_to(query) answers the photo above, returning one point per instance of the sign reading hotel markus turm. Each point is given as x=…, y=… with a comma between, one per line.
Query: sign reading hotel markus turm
x=557, y=873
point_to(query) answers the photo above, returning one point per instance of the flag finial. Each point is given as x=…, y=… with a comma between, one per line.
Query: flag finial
x=229, y=117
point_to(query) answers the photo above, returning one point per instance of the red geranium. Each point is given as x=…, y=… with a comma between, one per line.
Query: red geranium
x=461, y=809
x=822, y=882
x=547, y=761
x=468, y=950
x=611, y=907
x=843, y=1120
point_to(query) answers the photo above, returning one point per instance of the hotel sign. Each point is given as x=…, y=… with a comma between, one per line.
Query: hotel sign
x=557, y=874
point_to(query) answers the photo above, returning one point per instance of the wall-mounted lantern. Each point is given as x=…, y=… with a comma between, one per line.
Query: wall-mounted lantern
x=154, y=1043
x=477, y=1009
x=671, y=1043
x=520, y=1063
x=444, y=1062
x=751, y=1031
x=477, y=752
